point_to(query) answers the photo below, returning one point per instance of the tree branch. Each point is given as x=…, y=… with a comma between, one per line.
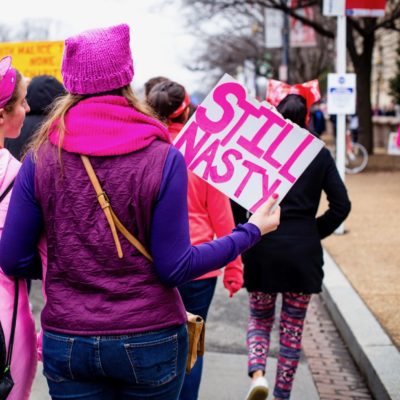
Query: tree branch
x=388, y=23
x=280, y=5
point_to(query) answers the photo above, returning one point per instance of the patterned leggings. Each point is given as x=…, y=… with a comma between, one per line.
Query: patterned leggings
x=262, y=314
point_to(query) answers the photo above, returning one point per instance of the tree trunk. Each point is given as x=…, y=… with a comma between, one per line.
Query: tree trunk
x=362, y=63
x=364, y=108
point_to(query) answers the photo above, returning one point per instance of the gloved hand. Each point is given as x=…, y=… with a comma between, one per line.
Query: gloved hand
x=233, y=280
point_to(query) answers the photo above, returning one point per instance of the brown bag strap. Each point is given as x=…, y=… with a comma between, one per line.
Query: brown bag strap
x=113, y=221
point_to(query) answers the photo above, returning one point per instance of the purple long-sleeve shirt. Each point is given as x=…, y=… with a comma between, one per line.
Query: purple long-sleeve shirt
x=176, y=261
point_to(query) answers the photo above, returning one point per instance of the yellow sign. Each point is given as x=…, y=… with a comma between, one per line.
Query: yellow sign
x=35, y=58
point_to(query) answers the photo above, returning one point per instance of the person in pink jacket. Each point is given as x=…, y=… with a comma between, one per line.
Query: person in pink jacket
x=210, y=215
x=13, y=107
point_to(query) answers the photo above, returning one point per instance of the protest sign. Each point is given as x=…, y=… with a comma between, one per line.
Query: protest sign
x=35, y=58
x=394, y=144
x=244, y=147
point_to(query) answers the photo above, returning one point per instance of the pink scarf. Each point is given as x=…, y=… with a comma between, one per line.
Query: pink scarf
x=108, y=126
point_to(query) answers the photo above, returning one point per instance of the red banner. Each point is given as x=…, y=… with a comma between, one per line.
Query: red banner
x=302, y=35
x=365, y=8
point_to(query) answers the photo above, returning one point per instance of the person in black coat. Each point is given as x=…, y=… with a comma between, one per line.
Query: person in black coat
x=42, y=91
x=289, y=261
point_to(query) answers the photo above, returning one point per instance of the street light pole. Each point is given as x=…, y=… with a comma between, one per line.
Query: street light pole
x=341, y=118
x=286, y=44
x=284, y=70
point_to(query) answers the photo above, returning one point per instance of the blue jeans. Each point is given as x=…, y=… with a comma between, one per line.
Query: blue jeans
x=140, y=366
x=196, y=296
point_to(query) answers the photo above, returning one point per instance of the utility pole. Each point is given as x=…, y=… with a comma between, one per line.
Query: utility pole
x=341, y=118
x=284, y=72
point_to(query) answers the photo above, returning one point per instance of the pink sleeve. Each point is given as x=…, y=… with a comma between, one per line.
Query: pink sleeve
x=221, y=218
x=398, y=136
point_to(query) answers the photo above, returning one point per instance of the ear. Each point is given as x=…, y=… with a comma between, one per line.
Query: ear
x=2, y=113
x=186, y=114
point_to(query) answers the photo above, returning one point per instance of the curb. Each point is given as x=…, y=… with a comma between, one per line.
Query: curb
x=372, y=349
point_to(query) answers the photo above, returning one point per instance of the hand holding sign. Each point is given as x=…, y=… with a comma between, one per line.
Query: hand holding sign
x=267, y=217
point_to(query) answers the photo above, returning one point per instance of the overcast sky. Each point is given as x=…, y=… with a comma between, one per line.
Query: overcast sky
x=158, y=39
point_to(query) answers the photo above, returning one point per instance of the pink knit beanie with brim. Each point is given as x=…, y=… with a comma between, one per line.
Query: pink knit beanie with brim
x=97, y=60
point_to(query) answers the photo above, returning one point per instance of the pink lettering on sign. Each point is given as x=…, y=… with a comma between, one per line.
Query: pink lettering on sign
x=206, y=156
x=189, y=138
x=268, y=156
x=285, y=170
x=249, y=110
x=252, y=169
x=230, y=169
x=220, y=97
x=252, y=145
x=267, y=191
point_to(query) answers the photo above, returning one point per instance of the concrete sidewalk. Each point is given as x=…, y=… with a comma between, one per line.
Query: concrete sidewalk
x=225, y=378
x=372, y=349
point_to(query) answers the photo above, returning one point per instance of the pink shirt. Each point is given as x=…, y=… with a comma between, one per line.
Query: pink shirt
x=24, y=357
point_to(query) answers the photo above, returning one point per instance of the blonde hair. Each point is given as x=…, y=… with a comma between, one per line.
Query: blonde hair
x=66, y=102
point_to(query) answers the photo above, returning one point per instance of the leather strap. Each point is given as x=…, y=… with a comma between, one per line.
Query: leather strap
x=13, y=324
x=8, y=188
x=113, y=220
x=16, y=294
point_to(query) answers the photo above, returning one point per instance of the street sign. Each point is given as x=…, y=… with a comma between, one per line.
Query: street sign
x=365, y=8
x=341, y=94
x=333, y=8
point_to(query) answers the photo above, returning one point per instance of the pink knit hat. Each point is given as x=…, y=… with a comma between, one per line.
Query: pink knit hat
x=98, y=60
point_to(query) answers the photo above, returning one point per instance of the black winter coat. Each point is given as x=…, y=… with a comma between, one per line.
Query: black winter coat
x=291, y=259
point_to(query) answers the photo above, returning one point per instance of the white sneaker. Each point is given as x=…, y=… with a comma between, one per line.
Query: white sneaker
x=258, y=389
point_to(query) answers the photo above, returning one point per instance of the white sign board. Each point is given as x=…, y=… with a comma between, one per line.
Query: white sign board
x=244, y=147
x=341, y=94
x=393, y=147
x=333, y=8
x=273, y=28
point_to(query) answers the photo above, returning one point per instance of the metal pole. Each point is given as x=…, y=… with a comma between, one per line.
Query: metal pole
x=341, y=118
x=286, y=44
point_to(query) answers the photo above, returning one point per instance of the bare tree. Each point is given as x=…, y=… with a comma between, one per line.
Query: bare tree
x=4, y=33
x=29, y=29
x=34, y=29
x=360, y=38
x=241, y=38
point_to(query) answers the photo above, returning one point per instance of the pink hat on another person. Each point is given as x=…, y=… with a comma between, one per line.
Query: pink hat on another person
x=98, y=60
x=8, y=80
